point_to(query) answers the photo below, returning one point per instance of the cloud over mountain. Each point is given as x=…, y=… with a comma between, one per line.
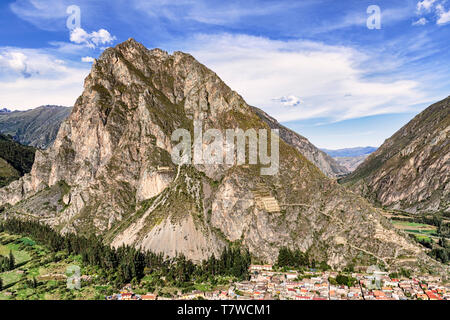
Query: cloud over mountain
x=93, y=39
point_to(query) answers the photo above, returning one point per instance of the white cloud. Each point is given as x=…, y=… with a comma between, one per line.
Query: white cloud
x=45, y=14
x=68, y=48
x=16, y=61
x=87, y=59
x=425, y=5
x=32, y=77
x=260, y=69
x=421, y=22
x=289, y=100
x=93, y=39
x=52, y=15
x=443, y=15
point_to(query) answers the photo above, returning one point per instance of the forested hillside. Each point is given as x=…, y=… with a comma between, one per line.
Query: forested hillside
x=15, y=159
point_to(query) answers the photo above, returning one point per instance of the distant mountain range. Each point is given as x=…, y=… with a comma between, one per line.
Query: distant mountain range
x=350, y=158
x=36, y=127
x=349, y=152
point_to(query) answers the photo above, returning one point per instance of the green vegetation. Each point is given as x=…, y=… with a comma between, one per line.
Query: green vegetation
x=403, y=273
x=441, y=253
x=7, y=173
x=410, y=224
x=15, y=159
x=430, y=230
x=437, y=224
x=38, y=271
x=420, y=229
x=18, y=156
x=343, y=280
x=298, y=260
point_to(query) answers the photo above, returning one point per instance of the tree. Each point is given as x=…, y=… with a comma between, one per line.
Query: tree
x=1, y=284
x=125, y=263
x=12, y=261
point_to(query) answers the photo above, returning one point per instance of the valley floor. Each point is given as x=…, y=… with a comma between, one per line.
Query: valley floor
x=34, y=261
x=49, y=272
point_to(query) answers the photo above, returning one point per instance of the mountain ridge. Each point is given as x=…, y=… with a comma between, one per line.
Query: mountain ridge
x=35, y=127
x=321, y=159
x=350, y=158
x=411, y=170
x=109, y=172
x=349, y=152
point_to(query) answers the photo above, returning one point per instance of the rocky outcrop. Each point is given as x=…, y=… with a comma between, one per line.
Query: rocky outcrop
x=411, y=170
x=110, y=172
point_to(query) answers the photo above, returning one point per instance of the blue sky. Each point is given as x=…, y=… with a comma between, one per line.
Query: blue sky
x=312, y=64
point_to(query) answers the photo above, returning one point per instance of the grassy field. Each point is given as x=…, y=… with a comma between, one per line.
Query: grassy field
x=20, y=256
x=420, y=230
x=406, y=225
x=49, y=269
x=35, y=262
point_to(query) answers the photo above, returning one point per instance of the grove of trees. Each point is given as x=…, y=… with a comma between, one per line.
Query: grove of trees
x=296, y=259
x=127, y=263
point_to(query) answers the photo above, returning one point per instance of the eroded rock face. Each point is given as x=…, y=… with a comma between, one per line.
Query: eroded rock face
x=110, y=172
x=411, y=170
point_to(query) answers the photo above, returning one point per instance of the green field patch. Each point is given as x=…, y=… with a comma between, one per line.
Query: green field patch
x=20, y=256
x=422, y=237
x=203, y=287
x=10, y=277
x=428, y=232
x=412, y=225
x=48, y=268
x=27, y=241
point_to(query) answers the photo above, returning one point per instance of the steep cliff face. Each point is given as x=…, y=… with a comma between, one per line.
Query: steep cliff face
x=411, y=170
x=110, y=172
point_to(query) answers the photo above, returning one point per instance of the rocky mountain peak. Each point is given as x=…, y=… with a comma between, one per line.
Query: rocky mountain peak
x=182, y=79
x=110, y=172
